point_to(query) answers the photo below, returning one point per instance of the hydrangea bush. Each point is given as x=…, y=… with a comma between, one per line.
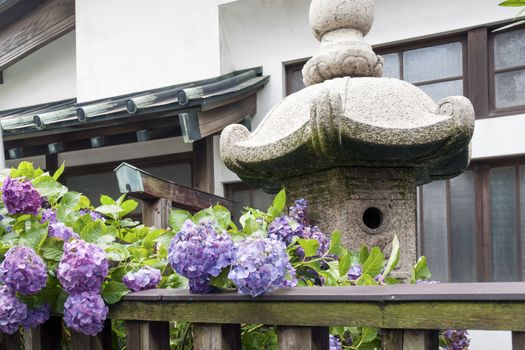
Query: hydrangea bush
x=61, y=255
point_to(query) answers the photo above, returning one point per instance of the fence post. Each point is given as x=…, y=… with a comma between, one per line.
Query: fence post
x=47, y=336
x=101, y=341
x=147, y=335
x=303, y=338
x=10, y=342
x=518, y=340
x=156, y=212
x=216, y=336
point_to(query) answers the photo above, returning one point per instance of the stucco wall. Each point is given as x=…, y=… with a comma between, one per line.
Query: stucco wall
x=132, y=45
x=44, y=76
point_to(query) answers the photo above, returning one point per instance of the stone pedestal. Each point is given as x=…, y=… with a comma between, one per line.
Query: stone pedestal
x=368, y=205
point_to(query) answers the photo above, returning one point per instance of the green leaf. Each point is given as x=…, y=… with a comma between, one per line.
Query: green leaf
x=116, y=252
x=114, y=291
x=344, y=265
x=368, y=334
x=26, y=170
x=363, y=254
x=512, y=3
x=111, y=210
x=335, y=245
x=128, y=206
x=310, y=246
x=222, y=216
x=34, y=234
x=70, y=200
x=177, y=218
x=53, y=249
x=59, y=171
x=366, y=280
x=49, y=188
x=106, y=200
x=420, y=271
x=279, y=202
x=394, y=257
x=222, y=280
x=150, y=238
x=93, y=231
x=374, y=262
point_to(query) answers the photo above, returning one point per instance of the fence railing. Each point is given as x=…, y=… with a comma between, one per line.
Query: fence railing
x=409, y=316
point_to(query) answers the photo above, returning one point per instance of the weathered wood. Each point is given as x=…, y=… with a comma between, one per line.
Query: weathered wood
x=10, y=342
x=392, y=339
x=101, y=341
x=142, y=185
x=420, y=340
x=45, y=337
x=478, y=66
x=303, y=338
x=202, y=171
x=156, y=212
x=46, y=23
x=143, y=335
x=216, y=336
x=518, y=340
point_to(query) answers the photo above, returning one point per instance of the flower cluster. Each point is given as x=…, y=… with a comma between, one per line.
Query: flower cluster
x=315, y=233
x=199, y=252
x=281, y=229
x=299, y=210
x=61, y=231
x=94, y=215
x=355, y=272
x=456, y=339
x=81, y=272
x=335, y=344
x=12, y=311
x=85, y=312
x=49, y=215
x=23, y=271
x=145, y=278
x=20, y=197
x=261, y=265
x=83, y=267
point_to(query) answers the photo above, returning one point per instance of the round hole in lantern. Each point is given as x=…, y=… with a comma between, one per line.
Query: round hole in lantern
x=372, y=218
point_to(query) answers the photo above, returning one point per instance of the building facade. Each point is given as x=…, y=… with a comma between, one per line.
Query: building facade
x=471, y=228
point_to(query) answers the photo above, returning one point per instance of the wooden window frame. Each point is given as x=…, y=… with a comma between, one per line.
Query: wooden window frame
x=289, y=68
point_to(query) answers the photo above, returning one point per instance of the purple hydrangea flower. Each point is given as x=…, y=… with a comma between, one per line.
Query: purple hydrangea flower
x=145, y=278
x=12, y=311
x=299, y=210
x=281, y=229
x=85, y=313
x=36, y=317
x=49, y=215
x=200, y=252
x=456, y=339
x=23, y=271
x=20, y=197
x=61, y=231
x=261, y=265
x=94, y=215
x=200, y=285
x=354, y=272
x=82, y=268
x=335, y=344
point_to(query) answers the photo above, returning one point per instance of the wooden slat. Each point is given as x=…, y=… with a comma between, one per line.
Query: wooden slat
x=46, y=23
x=156, y=212
x=392, y=339
x=9, y=342
x=420, y=340
x=143, y=335
x=216, y=337
x=303, y=338
x=44, y=337
x=518, y=340
x=478, y=81
x=202, y=170
x=101, y=341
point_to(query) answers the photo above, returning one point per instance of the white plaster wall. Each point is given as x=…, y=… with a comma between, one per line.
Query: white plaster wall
x=46, y=75
x=496, y=137
x=125, y=46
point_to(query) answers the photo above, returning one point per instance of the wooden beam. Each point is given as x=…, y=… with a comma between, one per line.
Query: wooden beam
x=216, y=337
x=202, y=171
x=478, y=66
x=518, y=341
x=139, y=184
x=143, y=335
x=10, y=342
x=46, y=23
x=303, y=338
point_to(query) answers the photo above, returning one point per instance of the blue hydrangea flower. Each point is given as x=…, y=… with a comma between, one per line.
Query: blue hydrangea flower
x=335, y=344
x=315, y=233
x=261, y=265
x=61, y=231
x=457, y=339
x=85, y=313
x=82, y=268
x=145, y=278
x=354, y=272
x=49, y=215
x=23, y=271
x=36, y=317
x=20, y=197
x=12, y=311
x=281, y=229
x=299, y=210
x=200, y=252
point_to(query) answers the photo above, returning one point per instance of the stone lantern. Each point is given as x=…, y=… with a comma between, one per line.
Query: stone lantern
x=354, y=144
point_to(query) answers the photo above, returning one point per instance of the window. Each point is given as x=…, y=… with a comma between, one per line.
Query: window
x=247, y=196
x=487, y=67
x=472, y=227
x=508, y=64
